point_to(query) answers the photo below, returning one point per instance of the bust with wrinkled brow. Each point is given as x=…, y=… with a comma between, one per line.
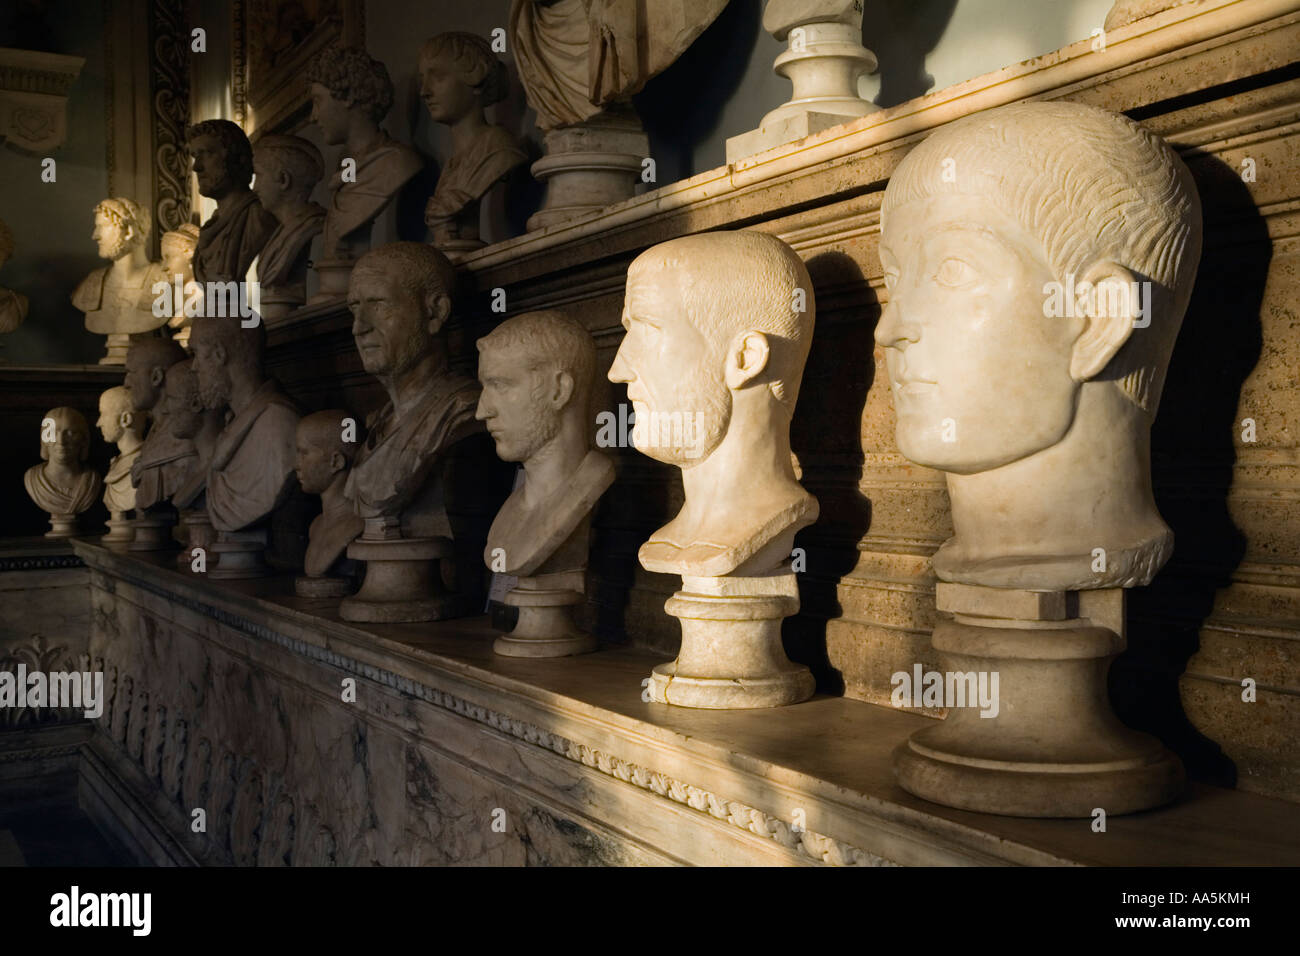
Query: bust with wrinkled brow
x=718, y=330
x=1036, y=283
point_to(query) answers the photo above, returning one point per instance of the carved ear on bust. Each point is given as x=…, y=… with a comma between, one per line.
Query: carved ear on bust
x=747, y=356
x=560, y=388
x=125, y=419
x=1109, y=299
x=157, y=376
x=337, y=462
x=439, y=308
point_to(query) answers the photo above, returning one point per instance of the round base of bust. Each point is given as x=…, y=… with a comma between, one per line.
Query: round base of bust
x=62, y=526
x=120, y=534
x=437, y=608
x=540, y=647
x=787, y=686
x=323, y=587
x=240, y=555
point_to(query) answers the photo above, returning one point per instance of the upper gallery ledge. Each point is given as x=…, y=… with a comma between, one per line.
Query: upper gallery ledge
x=829, y=756
x=1171, y=35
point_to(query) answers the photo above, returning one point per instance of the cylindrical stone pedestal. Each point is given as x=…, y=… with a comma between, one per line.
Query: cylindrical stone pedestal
x=1051, y=746
x=403, y=581
x=545, y=627
x=115, y=354
x=119, y=533
x=731, y=656
x=198, y=532
x=333, y=276
x=322, y=587
x=589, y=166
x=62, y=526
x=152, y=529
x=239, y=554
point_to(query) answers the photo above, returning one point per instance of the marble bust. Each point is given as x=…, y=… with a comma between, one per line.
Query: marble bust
x=536, y=371
x=158, y=469
x=118, y=299
x=13, y=305
x=121, y=426
x=400, y=297
x=287, y=169
x=178, y=271
x=324, y=455
x=193, y=429
x=459, y=77
x=62, y=485
x=1027, y=337
x=351, y=93
x=713, y=358
x=233, y=235
x=251, y=470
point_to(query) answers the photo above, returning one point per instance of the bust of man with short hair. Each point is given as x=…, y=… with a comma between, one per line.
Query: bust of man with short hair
x=122, y=426
x=1034, y=301
x=536, y=370
x=324, y=455
x=400, y=297
x=118, y=299
x=718, y=330
x=287, y=169
x=62, y=485
x=158, y=469
x=233, y=236
x=251, y=471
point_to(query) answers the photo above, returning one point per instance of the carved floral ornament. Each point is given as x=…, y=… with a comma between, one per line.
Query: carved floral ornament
x=34, y=97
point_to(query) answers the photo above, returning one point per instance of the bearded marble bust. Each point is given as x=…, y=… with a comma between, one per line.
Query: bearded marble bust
x=718, y=330
x=1034, y=300
x=62, y=485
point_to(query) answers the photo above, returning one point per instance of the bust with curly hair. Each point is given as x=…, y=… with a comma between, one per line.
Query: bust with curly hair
x=459, y=77
x=351, y=94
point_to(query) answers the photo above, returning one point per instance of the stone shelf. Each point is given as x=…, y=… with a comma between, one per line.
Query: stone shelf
x=658, y=784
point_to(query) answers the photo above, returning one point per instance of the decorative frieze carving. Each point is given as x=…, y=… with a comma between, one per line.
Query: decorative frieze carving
x=34, y=98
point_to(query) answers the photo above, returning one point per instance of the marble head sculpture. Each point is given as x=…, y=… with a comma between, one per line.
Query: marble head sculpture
x=234, y=235
x=158, y=468
x=251, y=471
x=351, y=93
x=178, y=263
x=1035, y=294
x=718, y=330
x=287, y=170
x=122, y=426
x=13, y=305
x=118, y=298
x=326, y=446
x=536, y=371
x=193, y=429
x=459, y=77
x=62, y=485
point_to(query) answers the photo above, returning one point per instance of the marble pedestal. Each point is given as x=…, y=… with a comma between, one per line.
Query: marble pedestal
x=823, y=61
x=239, y=554
x=1054, y=748
x=403, y=581
x=589, y=166
x=118, y=343
x=322, y=587
x=278, y=306
x=731, y=656
x=120, y=532
x=152, y=529
x=198, y=532
x=62, y=526
x=545, y=627
x=333, y=276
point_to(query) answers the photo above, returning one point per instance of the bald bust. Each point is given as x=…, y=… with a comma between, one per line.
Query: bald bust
x=1034, y=301
x=718, y=330
x=326, y=445
x=120, y=425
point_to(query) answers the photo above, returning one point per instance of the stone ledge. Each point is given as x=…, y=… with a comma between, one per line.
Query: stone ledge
x=829, y=757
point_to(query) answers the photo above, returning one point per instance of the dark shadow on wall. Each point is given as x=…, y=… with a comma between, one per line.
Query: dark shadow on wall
x=902, y=33
x=826, y=437
x=1193, y=457
x=681, y=106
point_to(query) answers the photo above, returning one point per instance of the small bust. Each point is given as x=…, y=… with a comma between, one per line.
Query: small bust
x=122, y=426
x=1034, y=300
x=351, y=94
x=194, y=430
x=13, y=305
x=251, y=471
x=536, y=371
x=230, y=240
x=326, y=445
x=287, y=170
x=459, y=77
x=718, y=330
x=118, y=299
x=400, y=297
x=62, y=485
x=178, y=272
x=160, y=464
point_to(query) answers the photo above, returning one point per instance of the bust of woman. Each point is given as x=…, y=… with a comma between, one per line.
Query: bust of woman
x=459, y=78
x=62, y=485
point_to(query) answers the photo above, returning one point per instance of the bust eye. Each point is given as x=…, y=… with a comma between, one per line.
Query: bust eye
x=954, y=273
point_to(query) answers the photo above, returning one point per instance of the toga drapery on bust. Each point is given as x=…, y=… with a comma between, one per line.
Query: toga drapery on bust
x=577, y=57
x=231, y=239
x=252, y=468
